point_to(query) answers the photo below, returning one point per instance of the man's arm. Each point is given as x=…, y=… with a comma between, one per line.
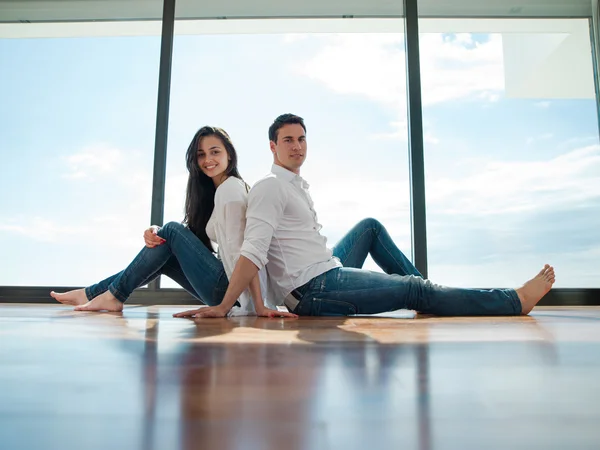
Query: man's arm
x=242, y=275
x=266, y=204
x=255, y=292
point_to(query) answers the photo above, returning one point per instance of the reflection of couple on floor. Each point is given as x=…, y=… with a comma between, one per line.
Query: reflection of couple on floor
x=274, y=230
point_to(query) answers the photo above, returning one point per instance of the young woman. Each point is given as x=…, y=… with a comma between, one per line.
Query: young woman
x=215, y=210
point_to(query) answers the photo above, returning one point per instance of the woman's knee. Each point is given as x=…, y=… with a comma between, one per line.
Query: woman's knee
x=169, y=228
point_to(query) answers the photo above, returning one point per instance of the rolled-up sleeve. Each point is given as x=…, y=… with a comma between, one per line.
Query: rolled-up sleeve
x=266, y=203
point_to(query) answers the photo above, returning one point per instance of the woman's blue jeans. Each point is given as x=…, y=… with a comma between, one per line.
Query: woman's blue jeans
x=183, y=257
x=351, y=290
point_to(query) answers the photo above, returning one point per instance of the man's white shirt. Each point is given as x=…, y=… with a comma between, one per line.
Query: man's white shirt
x=283, y=233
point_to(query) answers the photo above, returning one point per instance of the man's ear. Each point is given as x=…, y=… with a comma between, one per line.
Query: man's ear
x=272, y=145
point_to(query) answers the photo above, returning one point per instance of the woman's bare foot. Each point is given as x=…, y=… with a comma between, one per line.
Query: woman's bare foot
x=76, y=297
x=104, y=302
x=533, y=291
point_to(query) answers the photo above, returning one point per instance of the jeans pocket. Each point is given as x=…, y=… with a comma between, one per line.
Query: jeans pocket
x=328, y=307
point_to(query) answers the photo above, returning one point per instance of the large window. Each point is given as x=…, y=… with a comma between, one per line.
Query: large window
x=350, y=89
x=511, y=151
x=77, y=121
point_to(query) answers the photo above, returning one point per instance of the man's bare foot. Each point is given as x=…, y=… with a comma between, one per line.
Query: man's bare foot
x=76, y=297
x=104, y=302
x=533, y=290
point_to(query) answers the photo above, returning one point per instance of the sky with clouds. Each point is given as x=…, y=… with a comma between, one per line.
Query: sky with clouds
x=511, y=183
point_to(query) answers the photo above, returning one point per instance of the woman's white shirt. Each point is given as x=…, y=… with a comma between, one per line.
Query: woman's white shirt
x=226, y=227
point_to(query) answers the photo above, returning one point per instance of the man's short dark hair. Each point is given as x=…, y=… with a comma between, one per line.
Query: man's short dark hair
x=284, y=119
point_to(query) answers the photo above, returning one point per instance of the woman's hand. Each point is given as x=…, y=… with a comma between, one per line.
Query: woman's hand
x=207, y=312
x=151, y=237
x=266, y=312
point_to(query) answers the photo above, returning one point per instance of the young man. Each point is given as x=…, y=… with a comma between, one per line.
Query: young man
x=282, y=233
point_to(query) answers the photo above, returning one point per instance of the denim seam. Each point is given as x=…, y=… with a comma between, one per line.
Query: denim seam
x=516, y=301
x=159, y=271
x=354, y=246
x=189, y=244
x=388, y=252
x=119, y=296
x=177, y=269
x=115, y=290
x=339, y=302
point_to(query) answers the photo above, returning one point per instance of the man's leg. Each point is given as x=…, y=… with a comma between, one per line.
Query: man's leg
x=370, y=236
x=347, y=291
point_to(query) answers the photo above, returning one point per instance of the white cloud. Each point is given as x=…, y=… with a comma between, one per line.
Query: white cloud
x=91, y=161
x=452, y=71
x=118, y=186
x=109, y=230
x=541, y=137
x=501, y=187
x=400, y=132
x=370, y=65
x=175, y=196
x=373, y=66
x=429, y=138
x=342, y=202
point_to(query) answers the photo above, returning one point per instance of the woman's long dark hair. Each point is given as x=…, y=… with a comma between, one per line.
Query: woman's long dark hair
x=200, y=193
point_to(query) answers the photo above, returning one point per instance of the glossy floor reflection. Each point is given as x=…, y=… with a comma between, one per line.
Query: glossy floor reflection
x=144, y=380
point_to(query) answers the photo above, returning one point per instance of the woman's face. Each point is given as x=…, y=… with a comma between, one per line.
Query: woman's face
x=212, y=156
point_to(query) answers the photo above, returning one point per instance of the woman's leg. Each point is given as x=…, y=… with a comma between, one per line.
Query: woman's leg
x=370, y=236
x=204, y=273
x=171, y=268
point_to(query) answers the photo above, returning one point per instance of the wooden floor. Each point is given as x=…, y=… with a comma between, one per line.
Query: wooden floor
x=144, y=380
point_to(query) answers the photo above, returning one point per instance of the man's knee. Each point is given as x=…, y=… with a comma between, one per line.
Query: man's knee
x=369, y=222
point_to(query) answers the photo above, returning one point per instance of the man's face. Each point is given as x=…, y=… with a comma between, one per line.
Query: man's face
x=289, y=151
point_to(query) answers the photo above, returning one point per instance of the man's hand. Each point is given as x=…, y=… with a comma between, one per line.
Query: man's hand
x=219, y=311
x=266, y=312
x=211, y=311
x=151, y=237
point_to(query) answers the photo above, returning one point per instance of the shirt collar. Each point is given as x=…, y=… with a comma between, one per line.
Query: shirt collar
x=288, y=176
x=280, y=172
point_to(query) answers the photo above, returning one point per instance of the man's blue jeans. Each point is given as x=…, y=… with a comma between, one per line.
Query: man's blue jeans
x=350, y=290
x=184, y=258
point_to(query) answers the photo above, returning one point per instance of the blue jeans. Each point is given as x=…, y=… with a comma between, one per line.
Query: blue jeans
x=350, y=290
x=183, y=257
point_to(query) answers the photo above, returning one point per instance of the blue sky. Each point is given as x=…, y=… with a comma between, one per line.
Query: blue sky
x=511, y=183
